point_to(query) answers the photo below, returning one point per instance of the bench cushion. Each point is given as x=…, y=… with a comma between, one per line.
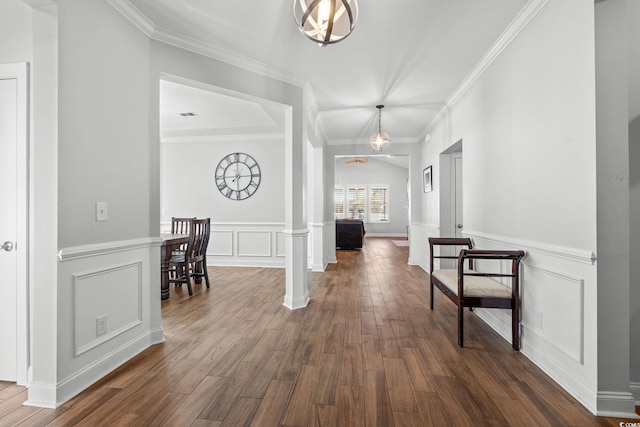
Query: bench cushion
x=474, y=286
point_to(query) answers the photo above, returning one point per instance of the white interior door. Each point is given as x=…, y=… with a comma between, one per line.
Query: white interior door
x=8, y=229
x=457, y=170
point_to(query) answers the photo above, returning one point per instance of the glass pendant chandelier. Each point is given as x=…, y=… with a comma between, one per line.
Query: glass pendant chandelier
x=380, y=140
x=326, y=21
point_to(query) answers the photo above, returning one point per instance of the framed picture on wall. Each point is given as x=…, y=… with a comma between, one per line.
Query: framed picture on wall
x=426, y=179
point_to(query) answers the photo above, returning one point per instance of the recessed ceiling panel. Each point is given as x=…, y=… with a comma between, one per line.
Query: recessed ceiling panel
x=189, y=108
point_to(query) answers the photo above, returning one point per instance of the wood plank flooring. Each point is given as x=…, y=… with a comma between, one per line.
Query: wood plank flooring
x=367, y=351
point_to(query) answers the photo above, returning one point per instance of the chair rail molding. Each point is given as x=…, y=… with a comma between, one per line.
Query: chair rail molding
x=99, y=249
x=571, y=254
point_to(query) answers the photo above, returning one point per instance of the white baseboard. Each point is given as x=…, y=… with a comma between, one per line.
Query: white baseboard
x=399, y=235
x=79, y=381
x=319, y=268
x=41, y=395
x=253, y=262
x=616, y=404
x=296, y=304
x=635, y=390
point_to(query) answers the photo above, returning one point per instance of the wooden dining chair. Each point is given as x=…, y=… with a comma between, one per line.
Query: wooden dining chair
x=192, y=263
x=181, y=226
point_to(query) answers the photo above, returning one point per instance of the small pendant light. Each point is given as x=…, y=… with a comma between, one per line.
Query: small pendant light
x=380, y=140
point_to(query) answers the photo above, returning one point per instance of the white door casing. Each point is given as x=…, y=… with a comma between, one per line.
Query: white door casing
x=458, y=220
x=13, y=222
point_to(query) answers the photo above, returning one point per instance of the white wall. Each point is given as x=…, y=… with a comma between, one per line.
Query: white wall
x=105, y=268
x=104, y=116
x=379, y=172
x=245, y=232
x=16, y=34
x=188, y=188
x=528, y=131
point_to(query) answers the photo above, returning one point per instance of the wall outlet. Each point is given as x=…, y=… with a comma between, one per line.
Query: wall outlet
x=101, y=325
x=539, y=319
x=101, y=211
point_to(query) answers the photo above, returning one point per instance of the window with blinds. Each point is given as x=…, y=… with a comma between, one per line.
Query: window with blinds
x=378, y=203
x=369, y=203
x=356, y=202
x=338, y=201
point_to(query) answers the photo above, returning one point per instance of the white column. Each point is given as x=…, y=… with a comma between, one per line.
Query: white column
x=612, y=155
x=316, y=207
x=295, y=232
x=43, y=221
x=297, y=290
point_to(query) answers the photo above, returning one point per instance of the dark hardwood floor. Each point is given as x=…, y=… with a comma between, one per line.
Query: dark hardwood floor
x=367, y=351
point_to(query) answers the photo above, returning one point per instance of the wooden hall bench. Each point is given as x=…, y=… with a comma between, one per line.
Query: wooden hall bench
x=471, y=288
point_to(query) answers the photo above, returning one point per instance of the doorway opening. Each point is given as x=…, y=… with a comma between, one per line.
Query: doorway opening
x=451, y=187
x=375, y=189
x=201, y=127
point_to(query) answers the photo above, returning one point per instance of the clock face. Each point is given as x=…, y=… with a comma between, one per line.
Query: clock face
x=237, y=176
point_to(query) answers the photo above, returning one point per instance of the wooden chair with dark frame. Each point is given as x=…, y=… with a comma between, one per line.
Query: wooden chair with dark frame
x=181, y=226
x=467, y=287
x=192, y=263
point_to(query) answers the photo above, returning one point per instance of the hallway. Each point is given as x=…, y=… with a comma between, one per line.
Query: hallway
x=366, y=351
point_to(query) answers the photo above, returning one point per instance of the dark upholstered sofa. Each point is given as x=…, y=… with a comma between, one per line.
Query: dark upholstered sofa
x=349, y=233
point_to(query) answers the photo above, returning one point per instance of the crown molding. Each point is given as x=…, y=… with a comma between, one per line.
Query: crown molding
x=516, y=26
x=134, y=15
x=223, y=55
x=39, y=4
x=163, y=35
x=222, y=138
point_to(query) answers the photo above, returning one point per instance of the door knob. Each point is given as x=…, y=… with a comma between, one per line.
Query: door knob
x=7, y=246
x=459, y=225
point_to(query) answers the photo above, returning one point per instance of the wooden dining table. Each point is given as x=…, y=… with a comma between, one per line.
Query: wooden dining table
x=169, y=243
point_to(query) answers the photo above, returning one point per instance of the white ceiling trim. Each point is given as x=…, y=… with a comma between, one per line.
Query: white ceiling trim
x=222, y=138
x=222, y=55
x=526, y=15
x=165, y=36
x=134, y=15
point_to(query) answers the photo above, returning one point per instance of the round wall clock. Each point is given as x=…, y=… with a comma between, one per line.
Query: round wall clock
x=237, y=176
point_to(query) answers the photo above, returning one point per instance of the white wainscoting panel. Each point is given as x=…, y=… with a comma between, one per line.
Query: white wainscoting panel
x=220, y=243
x=557, y=299
x=119, y=279
x=329, y=243
x=316, y=249
x=246, y=245
x=280, y=245
x=559, y=321
x=254, y=243
x=419, y=234
x=99, y=293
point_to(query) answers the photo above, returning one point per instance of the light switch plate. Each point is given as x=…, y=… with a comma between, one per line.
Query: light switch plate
x=101, y=211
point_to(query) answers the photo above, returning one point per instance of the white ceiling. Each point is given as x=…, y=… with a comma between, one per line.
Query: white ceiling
x=187, y=111
x=409, y=55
